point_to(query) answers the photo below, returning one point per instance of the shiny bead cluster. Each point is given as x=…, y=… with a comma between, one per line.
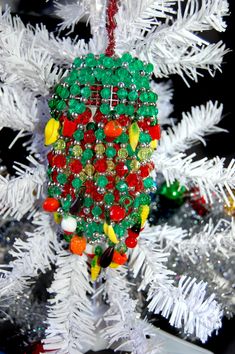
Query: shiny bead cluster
x=104, y=130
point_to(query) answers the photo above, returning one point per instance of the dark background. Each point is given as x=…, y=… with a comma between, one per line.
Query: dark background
x=220, y=88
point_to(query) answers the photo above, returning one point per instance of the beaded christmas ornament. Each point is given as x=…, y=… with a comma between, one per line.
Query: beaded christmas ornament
x=103, y=133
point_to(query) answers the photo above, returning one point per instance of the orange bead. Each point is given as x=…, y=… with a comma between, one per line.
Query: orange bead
x=51, y=204
x=113, y=129
x=119, y=258
x=78, y=245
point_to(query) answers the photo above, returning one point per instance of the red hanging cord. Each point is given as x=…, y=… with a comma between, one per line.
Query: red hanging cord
x=110, y=26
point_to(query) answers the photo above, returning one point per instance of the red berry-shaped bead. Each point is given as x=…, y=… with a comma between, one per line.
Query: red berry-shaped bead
x=69, y=128
x=101, y=165
x=117, y=213
x=121, y=169
x=131, y=242
x=89, y=136
x=76, y=166
x=51, y=205
x=59, y=161
x=113, y=129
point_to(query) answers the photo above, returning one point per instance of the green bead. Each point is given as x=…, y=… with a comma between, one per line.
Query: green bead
x=109, y=198
x=90, y=60
x=61, y=105
x=144, y=97
x=148, y=182
x=96, y=211
x=78, y=135
x=152, y=96
x=88, y=202
x=67, y=237
x=130, y=110
x=126, y=57
x=102, y=181
x=122, y=186
x=119, y=230
x=144, y=199
x=72, y=103
x=108, y=62
x=110, y=151
x=122, y=94
x=120, y=108
x=86, y=92
x=91, y=126
x=121, y=247
x=76, y=183
x=122, y=73
x=87, y=154
x=80, y=108
x=98, y=251
x=149, y=68
x=75, y=90
x=66, y=204
x=133, y=95
x=64, y=92
x=61, y=178
x=52, y=103
x=145, y=138
x=105, y=93
x=138, y=64
x=77, y=62
x=129, y=150
x=105, y=108
x=100, y=134
x=79, y=230
x=145, y=82
x=126, y=201
x=173, y=192
x=123, y=138
x=141, y=110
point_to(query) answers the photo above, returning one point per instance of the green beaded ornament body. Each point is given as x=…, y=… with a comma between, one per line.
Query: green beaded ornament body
x=103, y=133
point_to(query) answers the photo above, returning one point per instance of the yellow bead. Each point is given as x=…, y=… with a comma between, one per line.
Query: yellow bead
x=51, y=131
x=60, y=144
x=57, y=217
x=114, y=265
x=122, y=153
x=134, y=165
x=82, y=176
x=110, y=165
x=145, y=153
x=230, y=209
x=77, y=150
x=99, y=149
x=153, y=144
x=89, y=169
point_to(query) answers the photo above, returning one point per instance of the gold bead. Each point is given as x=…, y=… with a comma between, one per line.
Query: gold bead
x=122, y=153
x=110, y=165
x=99, y=149
x=77, y=150
x=89, y=169
x=230, y=209
x=134, y=165
x=82, y=176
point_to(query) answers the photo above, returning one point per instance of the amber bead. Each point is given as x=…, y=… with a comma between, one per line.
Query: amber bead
x=113, y=129
x=78, y=245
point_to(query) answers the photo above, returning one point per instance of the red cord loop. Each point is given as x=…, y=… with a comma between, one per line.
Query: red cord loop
x=110, y=26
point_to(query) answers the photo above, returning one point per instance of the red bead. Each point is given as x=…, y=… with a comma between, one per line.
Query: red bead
x=123, y=120
x=155, y=132
x=145, y=124
x=89, y=136
x=69, y=128
x=84, y=118
x=101, y=165
x=51, y=204
x=132, y=234
x=139, y=186
x=113, y=129
x=117, y=213
x=116, y=196
x=97, y=196
x=111, y=182
x=121, y=169
x=132, y=180
x=119, y=258
x=99, y=117
x=90, y=187
x=54, y=176
x=76, y=166
x=50, y=157
x=145, y=170
x=59, y=161
x=131, y=242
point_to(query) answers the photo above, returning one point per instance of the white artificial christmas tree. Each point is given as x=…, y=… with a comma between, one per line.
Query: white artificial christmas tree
x=168, y=34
